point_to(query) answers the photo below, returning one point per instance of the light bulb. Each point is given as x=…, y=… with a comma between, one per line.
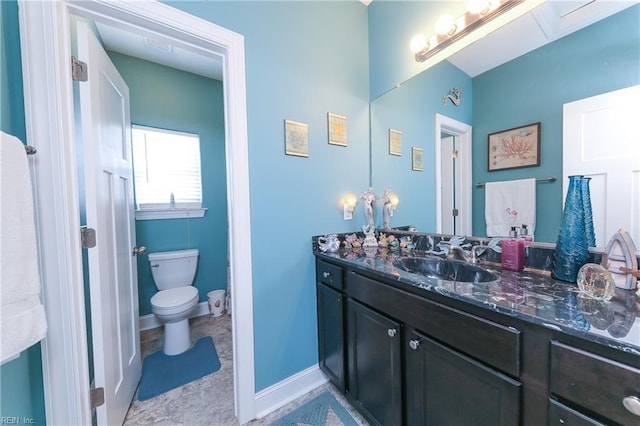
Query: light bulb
x=446, y=25
x=478, y=6
x=418, y=43
x=394, y=200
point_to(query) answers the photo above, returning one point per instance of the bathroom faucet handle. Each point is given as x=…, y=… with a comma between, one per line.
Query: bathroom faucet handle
x=138, y=250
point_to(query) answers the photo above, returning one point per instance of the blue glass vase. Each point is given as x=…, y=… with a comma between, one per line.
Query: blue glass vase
x=588, y=214
x=571, y=249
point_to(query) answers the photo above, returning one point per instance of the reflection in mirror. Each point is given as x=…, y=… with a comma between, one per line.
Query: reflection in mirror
x=600, y=58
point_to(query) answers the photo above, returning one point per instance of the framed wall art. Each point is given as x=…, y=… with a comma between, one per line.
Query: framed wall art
x=514, y=148
x=337, y=129
x=417, y=159
x=296, y=138
x=395, y=142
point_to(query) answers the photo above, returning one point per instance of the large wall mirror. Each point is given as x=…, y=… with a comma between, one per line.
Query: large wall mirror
x=567, y=51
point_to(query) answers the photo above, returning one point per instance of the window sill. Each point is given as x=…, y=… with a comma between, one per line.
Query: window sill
x=178, y=213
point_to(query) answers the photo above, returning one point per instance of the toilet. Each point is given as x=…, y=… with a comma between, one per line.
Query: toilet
x=173, y=274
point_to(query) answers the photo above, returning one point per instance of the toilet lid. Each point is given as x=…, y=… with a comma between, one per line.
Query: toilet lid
x=174, y=297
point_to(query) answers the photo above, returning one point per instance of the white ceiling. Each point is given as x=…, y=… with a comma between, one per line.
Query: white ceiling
x=551, y=21
x=160, y=50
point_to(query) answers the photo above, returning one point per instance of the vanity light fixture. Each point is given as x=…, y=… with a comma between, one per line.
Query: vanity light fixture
x=350, y=201
x=450, y=29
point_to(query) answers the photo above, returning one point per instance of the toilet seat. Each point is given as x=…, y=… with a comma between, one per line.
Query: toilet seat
x=174, y=299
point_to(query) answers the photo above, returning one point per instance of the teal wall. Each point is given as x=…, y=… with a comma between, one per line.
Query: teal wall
x=533, y=88
x=411, y=108
x=21, y=388
x=176, y=100
x=392, y=25
x=303, y=60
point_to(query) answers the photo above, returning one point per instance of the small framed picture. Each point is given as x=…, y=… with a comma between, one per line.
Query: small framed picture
x=417, y=159
x=337, y=129
x=514, y=148
x=395, y=142
x=296, y=138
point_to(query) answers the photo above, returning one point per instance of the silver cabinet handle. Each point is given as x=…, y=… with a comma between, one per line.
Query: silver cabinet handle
x=326, y=274
x=414, y=344
x=138, y=250
x=632, y=404
x=392, y=332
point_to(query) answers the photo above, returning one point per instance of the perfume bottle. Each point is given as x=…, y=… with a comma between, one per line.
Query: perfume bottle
x=513, y=251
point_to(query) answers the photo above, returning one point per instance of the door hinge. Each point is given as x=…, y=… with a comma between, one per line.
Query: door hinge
x=454, y=154
x=87, y=237
x=454, y=212
x=97, y=397
x=79, y=70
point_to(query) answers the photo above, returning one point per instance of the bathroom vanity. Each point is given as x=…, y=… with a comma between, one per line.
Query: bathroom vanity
x=408, y=348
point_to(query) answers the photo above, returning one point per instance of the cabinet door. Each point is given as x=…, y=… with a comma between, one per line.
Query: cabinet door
x=445, y=387
x=375, y=370
x=331, y=334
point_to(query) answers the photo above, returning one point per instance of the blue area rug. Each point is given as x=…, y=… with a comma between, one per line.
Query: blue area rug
x=161, y=372
x=320, y=411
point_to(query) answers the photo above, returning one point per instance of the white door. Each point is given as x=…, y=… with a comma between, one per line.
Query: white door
x=106, y=134
x=453, y=184
x=600, y=140
x=448, y=185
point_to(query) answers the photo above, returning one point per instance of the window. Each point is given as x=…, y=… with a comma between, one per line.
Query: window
x=166, y=167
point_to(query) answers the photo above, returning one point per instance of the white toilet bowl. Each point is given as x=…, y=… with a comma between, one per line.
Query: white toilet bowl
x=173, y=307
x=173, y=274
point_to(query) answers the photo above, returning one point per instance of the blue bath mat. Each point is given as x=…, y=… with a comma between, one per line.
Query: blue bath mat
x=322, y=410
x=161, y=372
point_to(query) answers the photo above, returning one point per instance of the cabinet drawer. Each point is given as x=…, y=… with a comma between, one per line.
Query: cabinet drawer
x=562, y=415
x=595, y=383
x=329, y=274
x=489, y=342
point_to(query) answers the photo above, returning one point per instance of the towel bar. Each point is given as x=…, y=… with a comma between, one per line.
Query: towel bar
x=545, y=179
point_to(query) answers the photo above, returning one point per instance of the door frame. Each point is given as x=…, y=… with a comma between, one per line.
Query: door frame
x=49, y=119
x=462, y=132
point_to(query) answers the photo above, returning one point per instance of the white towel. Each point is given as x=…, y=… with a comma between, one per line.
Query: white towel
x=22, y=316
x=510, y=203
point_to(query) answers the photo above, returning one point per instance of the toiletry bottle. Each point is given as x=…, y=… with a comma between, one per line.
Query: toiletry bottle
x=513, y=251
x=524, y=233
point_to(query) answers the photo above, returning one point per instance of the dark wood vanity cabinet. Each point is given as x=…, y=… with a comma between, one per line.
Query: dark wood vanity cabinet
x=375, y=366
x=593, y=385
x=444, y=386
x=403, y=358
x=331, y=347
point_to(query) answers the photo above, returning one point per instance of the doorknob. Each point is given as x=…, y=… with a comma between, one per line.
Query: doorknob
x=138, y=250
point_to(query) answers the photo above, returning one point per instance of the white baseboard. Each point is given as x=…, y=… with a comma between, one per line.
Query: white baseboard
x=150, y=321
x=293, y=387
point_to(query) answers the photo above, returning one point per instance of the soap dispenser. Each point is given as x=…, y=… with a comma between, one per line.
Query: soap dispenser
x=513, y=251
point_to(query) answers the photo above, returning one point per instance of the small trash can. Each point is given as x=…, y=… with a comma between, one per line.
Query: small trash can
x=216, y=302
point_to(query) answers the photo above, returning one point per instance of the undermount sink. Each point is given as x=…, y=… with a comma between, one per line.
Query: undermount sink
x=445, y=269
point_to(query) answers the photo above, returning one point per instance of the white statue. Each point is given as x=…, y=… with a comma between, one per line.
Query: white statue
x=369, y=228
x=387, y=209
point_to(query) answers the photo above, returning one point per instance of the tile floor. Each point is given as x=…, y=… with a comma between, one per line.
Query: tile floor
x=209, y=400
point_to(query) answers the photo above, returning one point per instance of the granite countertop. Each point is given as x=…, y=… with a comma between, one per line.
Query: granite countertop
x=529, y=296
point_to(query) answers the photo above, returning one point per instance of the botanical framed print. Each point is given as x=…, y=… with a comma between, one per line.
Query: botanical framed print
x=296, y=138
x=514, y=148
x=337, y=129
x=417, y=159
x=395, y=142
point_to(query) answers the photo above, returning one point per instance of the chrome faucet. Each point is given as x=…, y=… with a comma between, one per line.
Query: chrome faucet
x=457, y=253
x=494, y=245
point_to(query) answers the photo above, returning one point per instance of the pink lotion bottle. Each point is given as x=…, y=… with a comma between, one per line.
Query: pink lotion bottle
x=513, y=251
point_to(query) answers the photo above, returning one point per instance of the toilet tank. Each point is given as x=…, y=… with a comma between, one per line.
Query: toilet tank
x=171, y=269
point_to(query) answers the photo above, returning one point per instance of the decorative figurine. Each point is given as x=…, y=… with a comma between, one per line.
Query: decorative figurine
x=369, y=228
